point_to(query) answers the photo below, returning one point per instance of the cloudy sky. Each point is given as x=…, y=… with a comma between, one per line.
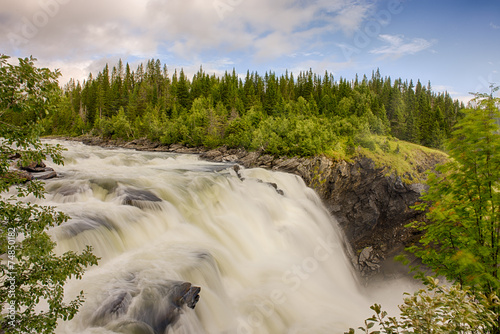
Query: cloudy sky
x=454, y=44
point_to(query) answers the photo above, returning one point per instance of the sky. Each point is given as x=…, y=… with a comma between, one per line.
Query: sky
x=453, y=44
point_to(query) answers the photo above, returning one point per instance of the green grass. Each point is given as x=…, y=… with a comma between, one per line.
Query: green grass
x=406, y=160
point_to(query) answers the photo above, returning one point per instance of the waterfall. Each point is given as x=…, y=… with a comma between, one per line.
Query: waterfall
x=264, y=251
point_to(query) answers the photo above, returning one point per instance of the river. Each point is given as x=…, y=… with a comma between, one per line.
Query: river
x=261, y=246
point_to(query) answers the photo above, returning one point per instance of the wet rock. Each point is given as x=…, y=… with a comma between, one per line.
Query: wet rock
x=109, y=185
x=113, y=307
x=368, y=262
x=149, y=309
x=187, y=295
x=365, y=254
x=29, y=172
x=49, y=173
x=275, y=186
x=34, y=167
x=66, y=189
x=132, y=195
x=237, y=169
x=141, y=198
x=77, y=225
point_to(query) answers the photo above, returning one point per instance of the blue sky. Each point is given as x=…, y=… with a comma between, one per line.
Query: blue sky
x=454, y=44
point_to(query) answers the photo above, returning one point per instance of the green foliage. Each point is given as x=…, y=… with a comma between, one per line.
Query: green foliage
x=237, y=132
x=436, y=310
x=461, y=241
x=27, y=93
x=212, y=111
x=33, y=276
x=121, y=125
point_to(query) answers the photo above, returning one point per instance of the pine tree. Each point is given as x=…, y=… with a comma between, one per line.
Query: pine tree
x=103, y=93
x=182, y=91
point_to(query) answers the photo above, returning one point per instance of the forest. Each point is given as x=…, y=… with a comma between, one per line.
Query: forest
x=290, y=115
x=280, y=115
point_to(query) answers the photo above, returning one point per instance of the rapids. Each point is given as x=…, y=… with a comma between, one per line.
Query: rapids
x=264, y=251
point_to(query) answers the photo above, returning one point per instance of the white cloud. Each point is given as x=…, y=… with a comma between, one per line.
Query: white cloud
x=306, y=54
x=72, y=33
x=398, y=45
x=494, y=26
x=187, y=26
x=350, y=17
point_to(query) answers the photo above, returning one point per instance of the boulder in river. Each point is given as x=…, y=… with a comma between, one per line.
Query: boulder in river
x=141, y=198
x=146, y=310
x=34, y=170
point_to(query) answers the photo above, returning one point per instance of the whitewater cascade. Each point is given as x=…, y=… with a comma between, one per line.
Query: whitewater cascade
x=264, y=251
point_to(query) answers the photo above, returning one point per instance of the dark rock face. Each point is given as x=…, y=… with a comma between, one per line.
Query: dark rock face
x=366, y=202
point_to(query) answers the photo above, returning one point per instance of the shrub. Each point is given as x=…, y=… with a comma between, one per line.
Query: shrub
x=437, y=309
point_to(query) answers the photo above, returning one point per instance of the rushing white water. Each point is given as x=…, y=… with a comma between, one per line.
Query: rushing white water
x=267, y=260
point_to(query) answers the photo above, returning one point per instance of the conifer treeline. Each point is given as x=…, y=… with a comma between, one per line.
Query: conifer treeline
x=281, y=114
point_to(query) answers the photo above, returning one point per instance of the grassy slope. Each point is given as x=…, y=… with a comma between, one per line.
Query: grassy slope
x=407, y=160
